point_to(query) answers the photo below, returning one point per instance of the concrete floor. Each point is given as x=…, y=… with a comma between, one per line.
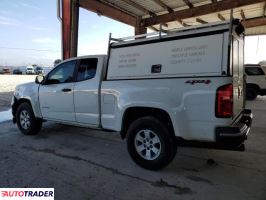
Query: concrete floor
x=85, y=164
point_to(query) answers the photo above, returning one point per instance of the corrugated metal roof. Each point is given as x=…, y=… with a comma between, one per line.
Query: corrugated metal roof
x=126, y=7
x=145, y=6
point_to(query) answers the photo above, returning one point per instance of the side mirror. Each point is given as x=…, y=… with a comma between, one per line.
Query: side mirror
x=39, y=79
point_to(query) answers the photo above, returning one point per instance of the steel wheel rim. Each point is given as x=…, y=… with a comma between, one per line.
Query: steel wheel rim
x=148, y=144
x=24, y=119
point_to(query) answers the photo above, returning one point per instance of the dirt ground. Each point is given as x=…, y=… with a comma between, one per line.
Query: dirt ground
x=5, y=100
x=7, y=86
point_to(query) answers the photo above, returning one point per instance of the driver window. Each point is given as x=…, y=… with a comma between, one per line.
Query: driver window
x=64, y=73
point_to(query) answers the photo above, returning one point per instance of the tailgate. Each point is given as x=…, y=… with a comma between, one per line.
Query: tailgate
x=237, y=53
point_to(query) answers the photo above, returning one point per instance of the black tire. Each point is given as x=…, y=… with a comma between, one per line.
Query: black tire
x=33, y=125
x=167, y=145
x=251, y=94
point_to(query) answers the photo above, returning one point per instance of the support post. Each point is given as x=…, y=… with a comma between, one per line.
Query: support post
x=139, y=29
x=70, y=19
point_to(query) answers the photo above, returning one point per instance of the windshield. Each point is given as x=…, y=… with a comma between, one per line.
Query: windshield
x=254, y=71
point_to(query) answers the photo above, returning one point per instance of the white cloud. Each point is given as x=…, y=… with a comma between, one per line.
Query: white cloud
x=8, y=21
x=31, y=6
x=4, y=12
x=46, y=41
x=36, y=28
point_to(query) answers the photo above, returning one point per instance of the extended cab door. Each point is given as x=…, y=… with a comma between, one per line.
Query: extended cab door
x=56, y=94
x=86, y=91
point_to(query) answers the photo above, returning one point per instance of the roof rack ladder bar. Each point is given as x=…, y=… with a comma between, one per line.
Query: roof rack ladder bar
x=160, y=32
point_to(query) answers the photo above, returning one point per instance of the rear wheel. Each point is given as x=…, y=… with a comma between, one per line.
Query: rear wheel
x=251, y=94
x=26, y=121
x=150, y=143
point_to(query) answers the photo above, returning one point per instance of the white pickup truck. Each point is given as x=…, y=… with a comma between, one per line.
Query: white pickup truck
x=156, y=90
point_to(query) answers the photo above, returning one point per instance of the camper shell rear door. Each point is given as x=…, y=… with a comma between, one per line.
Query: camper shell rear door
x=237, y=71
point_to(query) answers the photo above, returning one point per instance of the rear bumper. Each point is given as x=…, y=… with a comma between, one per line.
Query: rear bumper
x=237, y=133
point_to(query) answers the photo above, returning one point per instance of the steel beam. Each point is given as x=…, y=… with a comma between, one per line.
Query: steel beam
x=70, y=18
x=139, y=30
x=264, y=10
x=220, y=17
x=243, y=16
x=250, y=23
x=153, y=28
x=188, y=3
x=198, y=11
x=201, y=21
x=109, y=11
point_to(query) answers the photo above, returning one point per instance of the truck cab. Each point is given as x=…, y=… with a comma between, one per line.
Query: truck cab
x=70, y=92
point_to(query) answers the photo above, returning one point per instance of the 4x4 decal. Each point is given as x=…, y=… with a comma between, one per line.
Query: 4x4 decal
x=192, y=82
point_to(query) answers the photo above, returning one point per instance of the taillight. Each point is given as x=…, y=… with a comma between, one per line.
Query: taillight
x=224, y=101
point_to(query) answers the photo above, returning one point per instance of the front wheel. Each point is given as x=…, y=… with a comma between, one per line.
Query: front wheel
x=150, y=143
x=26, y=121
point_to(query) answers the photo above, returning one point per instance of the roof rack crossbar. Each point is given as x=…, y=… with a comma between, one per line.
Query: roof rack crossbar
x=161, y=32
x=134, y=37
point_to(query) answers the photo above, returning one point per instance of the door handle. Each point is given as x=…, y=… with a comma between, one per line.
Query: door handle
x=66, y=90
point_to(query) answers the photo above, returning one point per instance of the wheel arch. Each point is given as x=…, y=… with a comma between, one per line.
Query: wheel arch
x=16, y=104
x=253, y=85
x=133, y=113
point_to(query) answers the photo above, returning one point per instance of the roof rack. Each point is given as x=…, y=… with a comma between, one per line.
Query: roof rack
x=161, y=32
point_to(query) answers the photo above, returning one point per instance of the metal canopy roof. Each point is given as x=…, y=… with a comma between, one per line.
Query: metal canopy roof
x=179, y=13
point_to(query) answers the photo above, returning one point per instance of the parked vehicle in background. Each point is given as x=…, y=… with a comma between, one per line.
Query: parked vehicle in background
x=39, y=70
x=30, y=70
x=255, y=81
x=262, y=63
x=17, y=71
x=6, y=71
x=186, y=85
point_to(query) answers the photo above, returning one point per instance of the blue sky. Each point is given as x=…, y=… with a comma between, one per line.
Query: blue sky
x=32, y=24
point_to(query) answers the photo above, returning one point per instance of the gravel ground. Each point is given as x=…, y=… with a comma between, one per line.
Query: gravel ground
x=7, y=86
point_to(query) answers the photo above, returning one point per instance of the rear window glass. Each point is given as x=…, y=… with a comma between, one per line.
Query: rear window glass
x=87, y=69
x=254, y=71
